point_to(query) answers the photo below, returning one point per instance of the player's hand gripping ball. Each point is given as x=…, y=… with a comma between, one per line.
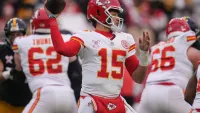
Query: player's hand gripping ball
x=55, y=6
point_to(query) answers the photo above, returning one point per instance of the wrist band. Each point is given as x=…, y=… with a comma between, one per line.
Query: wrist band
x=143, y=58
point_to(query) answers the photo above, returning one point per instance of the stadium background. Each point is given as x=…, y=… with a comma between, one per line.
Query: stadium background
x=139, y=15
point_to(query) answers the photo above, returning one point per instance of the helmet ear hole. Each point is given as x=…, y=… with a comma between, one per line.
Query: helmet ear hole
x=98, y=12
x=109, y=20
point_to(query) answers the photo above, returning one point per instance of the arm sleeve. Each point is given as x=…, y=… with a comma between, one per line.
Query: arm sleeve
x=1, y=52
x=131, y=64
x=69, y=48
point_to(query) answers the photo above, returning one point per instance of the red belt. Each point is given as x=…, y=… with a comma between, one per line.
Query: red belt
x=198, y=110
x=165, y=83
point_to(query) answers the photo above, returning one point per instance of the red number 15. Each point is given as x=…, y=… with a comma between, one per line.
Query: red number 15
x=103, y=73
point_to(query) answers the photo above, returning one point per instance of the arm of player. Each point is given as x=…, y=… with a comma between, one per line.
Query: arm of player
x=17, y=59
x=75, y=76
x=190, y=91
x=4, y=75
x=138, y=68
x=193, y=55
x=70, y=48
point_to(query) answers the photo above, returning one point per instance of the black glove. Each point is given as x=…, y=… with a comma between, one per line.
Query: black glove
x=17, y=76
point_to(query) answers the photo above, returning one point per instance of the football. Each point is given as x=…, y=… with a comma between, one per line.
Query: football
x=55, y=6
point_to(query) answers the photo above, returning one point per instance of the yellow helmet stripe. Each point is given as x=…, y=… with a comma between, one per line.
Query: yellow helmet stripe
x=14, y=22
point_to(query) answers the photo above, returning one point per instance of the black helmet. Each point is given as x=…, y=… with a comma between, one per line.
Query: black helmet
x=195, y=28
x=15, y=25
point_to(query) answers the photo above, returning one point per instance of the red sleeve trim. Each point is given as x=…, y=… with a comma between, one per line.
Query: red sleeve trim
x=131, y=64
x=132, y=47
x=78, y=39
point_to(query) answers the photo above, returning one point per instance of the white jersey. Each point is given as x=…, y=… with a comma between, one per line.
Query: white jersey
x=40, y=62
x=170, y=62
x=103, y=61
x=196, y=103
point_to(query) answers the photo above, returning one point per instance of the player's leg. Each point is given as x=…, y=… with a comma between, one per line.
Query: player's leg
x=176, y=100
x=85, y=105
x=65, y=100
x=144, y=106
x=128, y=108
x=41, y=101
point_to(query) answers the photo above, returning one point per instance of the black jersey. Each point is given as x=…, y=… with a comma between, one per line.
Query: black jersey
x=14, y=93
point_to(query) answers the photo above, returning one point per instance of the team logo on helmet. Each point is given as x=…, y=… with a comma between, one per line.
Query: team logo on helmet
x=14, y=27
x=98, y=2
x=170, y=29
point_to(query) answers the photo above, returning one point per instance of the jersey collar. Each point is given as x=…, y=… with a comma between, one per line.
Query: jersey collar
x=109, y=35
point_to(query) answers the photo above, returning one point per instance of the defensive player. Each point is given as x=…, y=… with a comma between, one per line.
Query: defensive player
x=104, y=53
x=172, y=64
x=45, y=69
x=14, y=92
x=193, y=87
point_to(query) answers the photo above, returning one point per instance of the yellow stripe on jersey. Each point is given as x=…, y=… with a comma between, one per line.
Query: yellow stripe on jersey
x=132, y=47
x=15, y=47
x=79, y=40
x=191, y=38
x=14, y=22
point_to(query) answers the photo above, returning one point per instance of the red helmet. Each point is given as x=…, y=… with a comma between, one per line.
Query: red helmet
x=176, y=26
x=40, y=22
x=98, y=10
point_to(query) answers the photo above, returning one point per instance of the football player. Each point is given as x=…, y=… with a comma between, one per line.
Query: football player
x=45, y=69
x=14, y=92
x=193, y=87
x=104, y=53
x=172, y=64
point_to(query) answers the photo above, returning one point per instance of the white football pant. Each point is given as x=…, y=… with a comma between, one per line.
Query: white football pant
x=163, y=99
x=52, y=99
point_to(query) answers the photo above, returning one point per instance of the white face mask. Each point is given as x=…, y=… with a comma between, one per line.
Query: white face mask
x=110, y=20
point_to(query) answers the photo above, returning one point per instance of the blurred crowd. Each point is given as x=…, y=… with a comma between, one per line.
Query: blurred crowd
x=139, y=15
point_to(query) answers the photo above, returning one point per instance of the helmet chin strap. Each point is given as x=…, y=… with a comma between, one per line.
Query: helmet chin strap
x=114, y=28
